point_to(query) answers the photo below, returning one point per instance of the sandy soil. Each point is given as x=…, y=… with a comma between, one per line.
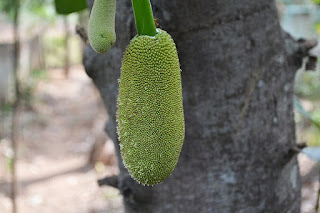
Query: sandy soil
x=56, y=137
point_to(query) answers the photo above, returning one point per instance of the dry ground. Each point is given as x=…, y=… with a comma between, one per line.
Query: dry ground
x=56, y=136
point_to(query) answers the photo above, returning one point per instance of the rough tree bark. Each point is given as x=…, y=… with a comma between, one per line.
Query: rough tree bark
x=238, y=68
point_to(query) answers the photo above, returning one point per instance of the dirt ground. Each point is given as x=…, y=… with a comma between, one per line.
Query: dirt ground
x=57, y=133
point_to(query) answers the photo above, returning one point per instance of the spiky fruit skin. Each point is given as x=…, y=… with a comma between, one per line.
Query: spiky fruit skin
x=101, y=28
x=150, y=112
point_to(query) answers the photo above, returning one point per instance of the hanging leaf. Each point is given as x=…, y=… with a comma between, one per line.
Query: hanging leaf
x=65, y=7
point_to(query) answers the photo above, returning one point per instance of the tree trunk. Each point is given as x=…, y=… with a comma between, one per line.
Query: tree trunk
x=67, y=47
x=237, y=77
x=16, y=104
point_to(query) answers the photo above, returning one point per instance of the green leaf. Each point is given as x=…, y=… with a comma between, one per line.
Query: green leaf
x=65, y=7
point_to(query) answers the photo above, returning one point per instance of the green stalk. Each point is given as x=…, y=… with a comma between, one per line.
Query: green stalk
x=144, y=18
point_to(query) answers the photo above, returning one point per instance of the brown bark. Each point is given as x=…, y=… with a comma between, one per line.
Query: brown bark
x=237, y=76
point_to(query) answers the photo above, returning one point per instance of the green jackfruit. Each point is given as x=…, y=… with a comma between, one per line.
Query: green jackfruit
x=101, y=29
x=150, y=112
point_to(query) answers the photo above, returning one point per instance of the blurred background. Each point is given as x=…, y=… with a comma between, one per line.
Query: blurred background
x=61, y=146
x=60, y=142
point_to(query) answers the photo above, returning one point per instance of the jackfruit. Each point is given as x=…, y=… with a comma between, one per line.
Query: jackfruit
x=101, y=29
x=150, y=111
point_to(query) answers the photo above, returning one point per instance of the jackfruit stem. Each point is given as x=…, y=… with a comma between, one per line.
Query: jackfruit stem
x=144, y=18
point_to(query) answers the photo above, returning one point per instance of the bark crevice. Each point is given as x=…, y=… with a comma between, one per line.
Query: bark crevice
x=251, y=85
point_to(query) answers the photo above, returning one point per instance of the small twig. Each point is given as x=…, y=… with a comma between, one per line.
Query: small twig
x=297, y=149
x=304, y=47
x=109, y=181
x=299, y=50
x=302, y=145
x=82, y=33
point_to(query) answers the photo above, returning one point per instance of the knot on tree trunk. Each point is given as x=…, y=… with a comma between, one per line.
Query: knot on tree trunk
x=300, y=49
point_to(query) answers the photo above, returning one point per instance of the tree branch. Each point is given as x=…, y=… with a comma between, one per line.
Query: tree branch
x=306, y=45
x=297, y=149
x=299, y=49
x=109, y=181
